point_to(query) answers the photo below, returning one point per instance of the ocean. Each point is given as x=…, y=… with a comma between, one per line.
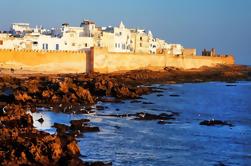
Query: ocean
x=182, y=141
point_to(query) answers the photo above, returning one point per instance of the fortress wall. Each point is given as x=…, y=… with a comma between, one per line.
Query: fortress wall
x=189, y=62
x=106, y=62
x=99, y=60
x=44, y=61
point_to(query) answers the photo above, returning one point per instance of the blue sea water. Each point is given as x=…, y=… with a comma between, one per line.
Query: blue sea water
x=184, y=142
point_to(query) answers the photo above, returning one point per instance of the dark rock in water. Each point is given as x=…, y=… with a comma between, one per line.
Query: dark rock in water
x=231, y=85
x=110, y=100
x=157, y=91
x=117, y=109
x=159, y=95
x=147, y=103
x=174, y=95
x=40, y=120
x=100, y=108
x=76, y=129
x=215, y=123
x=117, y=127
x=147, y=116
x=97, y=163
x=82, y=126
x=219, y=164
x=135, y=101
x=77, y=123
x=61, y=128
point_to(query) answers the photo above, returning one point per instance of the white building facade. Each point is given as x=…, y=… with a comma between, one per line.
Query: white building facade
x=87, y=35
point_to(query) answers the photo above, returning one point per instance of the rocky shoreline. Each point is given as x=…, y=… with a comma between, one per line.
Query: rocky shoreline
x=21, y=143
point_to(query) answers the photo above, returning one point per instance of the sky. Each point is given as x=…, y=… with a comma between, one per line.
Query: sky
x=221, y=24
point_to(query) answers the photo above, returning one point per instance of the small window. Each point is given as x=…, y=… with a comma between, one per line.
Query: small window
x=35, y=42
x=57, y=46
x=141, y=38
x=116, y=45
x=45, y=46
x=86, y=45
x=140, y=45
x=73, y=44
x=1, y=42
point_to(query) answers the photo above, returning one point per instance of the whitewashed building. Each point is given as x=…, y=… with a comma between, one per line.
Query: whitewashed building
x=87, y=35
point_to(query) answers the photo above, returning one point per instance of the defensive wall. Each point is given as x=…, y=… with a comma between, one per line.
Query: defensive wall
x=99, y=60
x=106, y=62
x=43, y=61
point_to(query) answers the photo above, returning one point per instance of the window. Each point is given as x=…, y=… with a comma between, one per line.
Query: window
x=73, y=44
x=35, y=42
x=1, y=42
x=141, y=38
x=86, y=45
x=123, y=46
x=140, y=44
x=57, y=46
x=116, y=45
x=45, y=46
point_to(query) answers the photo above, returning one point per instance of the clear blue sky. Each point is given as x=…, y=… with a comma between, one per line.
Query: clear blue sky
x=223, y=24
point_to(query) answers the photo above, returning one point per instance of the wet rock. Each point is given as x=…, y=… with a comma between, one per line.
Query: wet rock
x=147, y=103
x=147, y=116
x=231, y=85
x=22, y=144
x=215, y=123
x=85, y=95
x=98, y=163
x=61, y=128
x=83, y=126
x=174, y=95
x=110, y=100
x=22, y=96
x=73, y=148
x=100, y=108
x=76, y=123
x=135, y=101
x=76, y=128
x=40, y=120
x=219, y=164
